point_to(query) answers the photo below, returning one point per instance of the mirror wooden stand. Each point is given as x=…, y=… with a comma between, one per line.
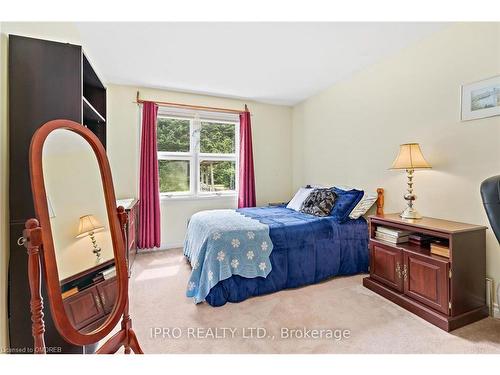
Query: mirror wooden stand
x=38, y=238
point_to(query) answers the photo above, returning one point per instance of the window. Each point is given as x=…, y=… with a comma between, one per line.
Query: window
x=197, y=155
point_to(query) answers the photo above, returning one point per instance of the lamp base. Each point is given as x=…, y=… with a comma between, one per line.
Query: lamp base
x=98, y=260
x=410, y=213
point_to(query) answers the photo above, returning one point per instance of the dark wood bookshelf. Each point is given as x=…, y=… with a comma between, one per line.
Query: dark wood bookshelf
x=47, y=81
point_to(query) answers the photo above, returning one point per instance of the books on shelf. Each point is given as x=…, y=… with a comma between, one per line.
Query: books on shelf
x=390, y=238
x=109, y=273
x=440, y=248
x=97, y=278
x=393, y=232
x=69, y=292
x=420, y=239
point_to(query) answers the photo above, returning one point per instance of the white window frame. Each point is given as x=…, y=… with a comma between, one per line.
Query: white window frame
x=194, y=156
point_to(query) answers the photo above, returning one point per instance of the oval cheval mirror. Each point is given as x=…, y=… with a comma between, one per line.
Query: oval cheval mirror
x=77, y=240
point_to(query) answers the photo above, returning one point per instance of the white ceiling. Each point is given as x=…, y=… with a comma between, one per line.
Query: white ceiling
x=281, y=63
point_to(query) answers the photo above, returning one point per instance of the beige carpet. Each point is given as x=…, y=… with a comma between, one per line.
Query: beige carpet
x=157, y=298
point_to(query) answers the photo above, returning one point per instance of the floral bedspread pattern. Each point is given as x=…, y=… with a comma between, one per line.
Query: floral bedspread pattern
x=222, y=243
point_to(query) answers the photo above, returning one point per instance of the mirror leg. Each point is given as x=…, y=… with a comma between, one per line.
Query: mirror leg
x=134, y=343
x=33, y=241
x=131, y=342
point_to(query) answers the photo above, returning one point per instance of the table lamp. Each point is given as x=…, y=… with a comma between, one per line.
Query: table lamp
x=410, y=158
x=88, y=226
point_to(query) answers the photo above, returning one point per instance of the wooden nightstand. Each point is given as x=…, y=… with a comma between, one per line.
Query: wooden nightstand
x=447, y=292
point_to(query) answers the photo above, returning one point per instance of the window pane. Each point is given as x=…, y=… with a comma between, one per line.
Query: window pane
x=217, y=175
x=217, y=138
x=174, y=175
x=173, y=135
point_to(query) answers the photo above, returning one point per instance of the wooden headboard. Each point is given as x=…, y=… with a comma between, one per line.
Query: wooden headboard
x=380, y=201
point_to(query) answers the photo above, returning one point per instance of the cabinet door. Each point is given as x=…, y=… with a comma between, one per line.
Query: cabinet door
x=84, y=307
x=386, y=265
x=426, y=280
x=108, y=292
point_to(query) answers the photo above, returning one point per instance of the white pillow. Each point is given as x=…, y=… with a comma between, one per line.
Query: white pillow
x=363, y=205
x=345, y=187
x=299, y=198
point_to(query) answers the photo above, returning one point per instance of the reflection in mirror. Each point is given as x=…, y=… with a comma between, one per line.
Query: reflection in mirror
x=80, y=229
x=87, y=227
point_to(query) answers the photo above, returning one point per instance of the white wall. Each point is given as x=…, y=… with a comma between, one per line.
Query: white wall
x=351, y=132
x=271, y=127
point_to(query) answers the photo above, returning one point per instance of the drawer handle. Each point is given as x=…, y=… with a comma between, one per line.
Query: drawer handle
x=103, y=299
x=405, y=272
x=97, y=302
x=398, y=270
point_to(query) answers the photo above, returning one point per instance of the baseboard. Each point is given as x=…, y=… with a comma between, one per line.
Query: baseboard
x=496, y=311
x=167, y=246
x=173, y=245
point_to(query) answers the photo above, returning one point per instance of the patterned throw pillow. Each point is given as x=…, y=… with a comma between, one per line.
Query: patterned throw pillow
x=319, y=202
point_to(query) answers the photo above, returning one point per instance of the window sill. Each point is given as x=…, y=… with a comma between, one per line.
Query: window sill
x=165, y=197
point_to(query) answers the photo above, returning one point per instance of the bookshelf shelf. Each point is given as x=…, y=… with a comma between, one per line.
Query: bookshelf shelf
x=90, y=114
x=93, y=101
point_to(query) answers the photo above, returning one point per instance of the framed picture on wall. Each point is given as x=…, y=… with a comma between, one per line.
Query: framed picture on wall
x=481, y=99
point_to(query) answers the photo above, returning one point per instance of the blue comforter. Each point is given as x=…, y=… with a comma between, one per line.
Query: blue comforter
x=307, y=249
x=222, y=243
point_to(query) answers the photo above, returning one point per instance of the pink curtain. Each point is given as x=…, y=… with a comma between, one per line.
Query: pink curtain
x=149, y=194
x=246, y=196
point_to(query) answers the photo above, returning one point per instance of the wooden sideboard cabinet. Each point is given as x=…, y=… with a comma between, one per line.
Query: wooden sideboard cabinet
x=449, y=292
x=90, y=306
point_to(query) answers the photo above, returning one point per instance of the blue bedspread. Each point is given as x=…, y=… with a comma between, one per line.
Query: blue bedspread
x=307, y=249
x=222, y=243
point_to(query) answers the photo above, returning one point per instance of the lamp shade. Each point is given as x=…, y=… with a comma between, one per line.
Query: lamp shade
x=88, y=223
x=410, y=157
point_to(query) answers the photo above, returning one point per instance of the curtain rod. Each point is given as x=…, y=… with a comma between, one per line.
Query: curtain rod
x=200, y=107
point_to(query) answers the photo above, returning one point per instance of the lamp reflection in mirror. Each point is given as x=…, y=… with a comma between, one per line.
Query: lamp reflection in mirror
x=88, y=226
x=410, y=157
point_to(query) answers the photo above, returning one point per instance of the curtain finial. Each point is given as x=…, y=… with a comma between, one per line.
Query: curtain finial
x=246, y=108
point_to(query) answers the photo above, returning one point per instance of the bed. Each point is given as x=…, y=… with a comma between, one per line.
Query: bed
x=289, y=249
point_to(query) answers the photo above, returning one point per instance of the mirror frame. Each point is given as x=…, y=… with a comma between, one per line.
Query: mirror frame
x=48, y=257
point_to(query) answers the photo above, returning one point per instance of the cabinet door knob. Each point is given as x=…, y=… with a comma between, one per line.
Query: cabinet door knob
x=103, y=299
x=398, y=270
x=97, y=301
x=405, y=272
